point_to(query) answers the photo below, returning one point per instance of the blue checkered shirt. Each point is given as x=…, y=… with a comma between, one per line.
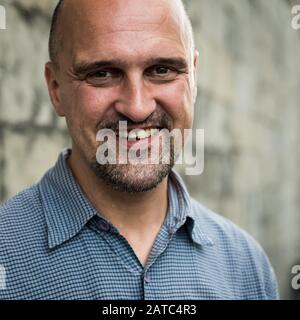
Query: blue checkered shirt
x=55, y=245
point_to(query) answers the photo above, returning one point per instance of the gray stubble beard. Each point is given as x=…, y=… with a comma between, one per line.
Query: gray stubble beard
x=133, y=178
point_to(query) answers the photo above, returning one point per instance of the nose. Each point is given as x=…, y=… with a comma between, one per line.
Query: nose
x=135, y=99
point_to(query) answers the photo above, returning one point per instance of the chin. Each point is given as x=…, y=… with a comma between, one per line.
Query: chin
x=132, y=178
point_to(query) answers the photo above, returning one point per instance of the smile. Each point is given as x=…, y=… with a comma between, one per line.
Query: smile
x=138, y=134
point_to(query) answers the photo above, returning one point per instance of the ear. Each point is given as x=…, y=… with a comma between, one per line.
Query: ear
x=195, y=64
x=54, y=88
x=196, y=56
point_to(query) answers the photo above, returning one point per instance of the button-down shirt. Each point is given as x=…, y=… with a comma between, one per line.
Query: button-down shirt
x=55, y=245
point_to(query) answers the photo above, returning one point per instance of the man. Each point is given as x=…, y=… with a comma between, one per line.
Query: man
x=125, y=230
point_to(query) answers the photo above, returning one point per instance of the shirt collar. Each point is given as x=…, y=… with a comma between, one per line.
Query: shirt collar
x=67, y=210
x=180, y=204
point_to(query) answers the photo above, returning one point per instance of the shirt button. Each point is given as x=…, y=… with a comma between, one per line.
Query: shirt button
x=146, y=278
x=103, y=225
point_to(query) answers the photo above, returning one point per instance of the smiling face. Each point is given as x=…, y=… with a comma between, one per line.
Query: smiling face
x=122, y=60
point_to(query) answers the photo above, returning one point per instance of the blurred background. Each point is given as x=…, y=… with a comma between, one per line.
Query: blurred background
x=248, y=105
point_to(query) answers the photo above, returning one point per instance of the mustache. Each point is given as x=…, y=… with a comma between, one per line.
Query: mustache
x=156, y=120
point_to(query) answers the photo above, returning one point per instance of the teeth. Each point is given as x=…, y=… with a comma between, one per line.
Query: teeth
x=141, y=134
x=138, y=134
x=132, y=135
x=148, y=133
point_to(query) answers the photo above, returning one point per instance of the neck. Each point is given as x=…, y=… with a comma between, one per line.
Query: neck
x=141, y=213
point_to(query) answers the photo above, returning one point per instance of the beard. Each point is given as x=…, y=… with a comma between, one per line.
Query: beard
x=132, y=178
x=138, y=177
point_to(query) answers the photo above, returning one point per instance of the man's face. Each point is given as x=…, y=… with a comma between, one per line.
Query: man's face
x=123, y=60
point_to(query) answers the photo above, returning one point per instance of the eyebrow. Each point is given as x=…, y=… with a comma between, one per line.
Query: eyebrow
x=84, y=67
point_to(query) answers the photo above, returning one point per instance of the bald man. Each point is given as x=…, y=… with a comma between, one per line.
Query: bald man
x=123, y=230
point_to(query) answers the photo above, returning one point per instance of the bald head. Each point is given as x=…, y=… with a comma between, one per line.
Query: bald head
x=61, y=11
x=55, y=33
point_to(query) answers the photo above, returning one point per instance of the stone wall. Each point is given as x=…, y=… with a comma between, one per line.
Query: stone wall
x=248, y=104
x=30, y=134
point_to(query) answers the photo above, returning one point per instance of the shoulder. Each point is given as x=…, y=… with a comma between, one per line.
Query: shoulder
x=238, y=248
x=223, y=231
x=20, y=217
x=20, y=207
x=23, y=240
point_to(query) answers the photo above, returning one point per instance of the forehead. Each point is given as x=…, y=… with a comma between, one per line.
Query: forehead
x=122, y=28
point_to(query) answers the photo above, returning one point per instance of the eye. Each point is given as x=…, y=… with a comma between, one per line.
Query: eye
x=101, y=74
x=162, y=73
x=162, y=70
x=103, y=77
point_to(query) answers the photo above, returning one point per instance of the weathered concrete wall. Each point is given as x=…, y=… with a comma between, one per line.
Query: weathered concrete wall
x=249, y=97
x=248, y=104
x=30, y=133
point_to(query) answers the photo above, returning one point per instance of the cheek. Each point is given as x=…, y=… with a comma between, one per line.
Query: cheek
x=178, y=103
x=88, y=104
